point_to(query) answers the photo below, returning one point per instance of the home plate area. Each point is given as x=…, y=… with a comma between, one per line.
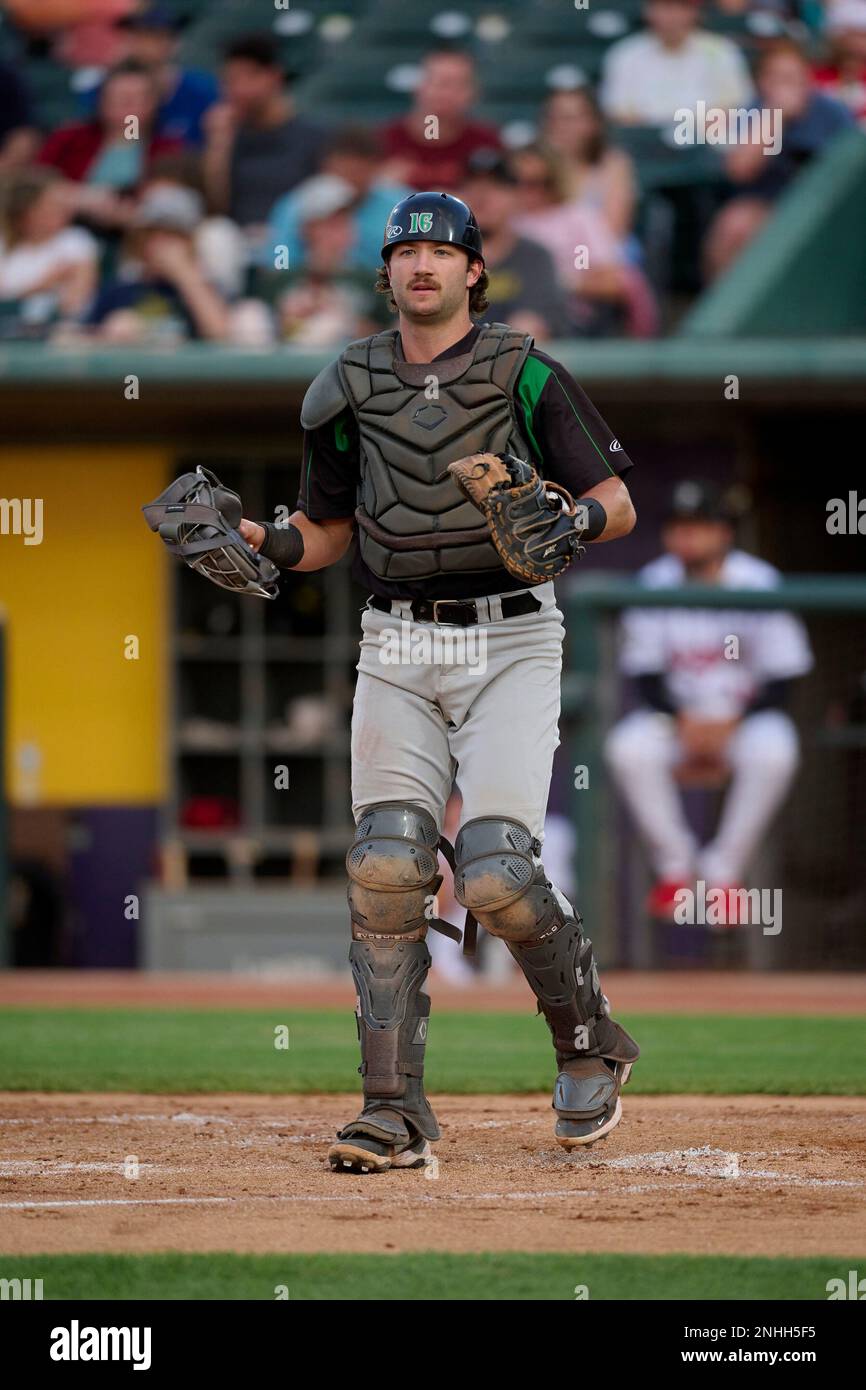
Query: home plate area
x=739, y=1175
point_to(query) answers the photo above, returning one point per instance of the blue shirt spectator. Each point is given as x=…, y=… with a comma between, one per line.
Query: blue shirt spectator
x=369, y=218
x=150, y=37
x=807, y=120
x=352, y=156
x=179, y=116
x=805, y=135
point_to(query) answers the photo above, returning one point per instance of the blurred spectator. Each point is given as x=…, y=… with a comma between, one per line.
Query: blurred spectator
x=702, y=715
x=150, y=37
x=326, y=303
x=672, y=64
x=220, y=245
x=600, y=176
x=427, y=155
x=19, y=141
x=604, y=295
x=523, y=290
x=107, y=154
x=48, y=269
x=256, y=147
x=160, y=294
x=844, y=77
x=82, y=31
x=809, y=121
x=354, y=155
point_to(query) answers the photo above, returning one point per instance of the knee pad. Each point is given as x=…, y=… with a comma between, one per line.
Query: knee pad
x=496, y=877
x=393, y=867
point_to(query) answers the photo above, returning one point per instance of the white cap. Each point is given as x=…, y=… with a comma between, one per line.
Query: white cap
x=322, y=195
x=170, y=207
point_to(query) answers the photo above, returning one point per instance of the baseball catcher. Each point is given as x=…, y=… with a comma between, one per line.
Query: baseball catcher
x=469, y=471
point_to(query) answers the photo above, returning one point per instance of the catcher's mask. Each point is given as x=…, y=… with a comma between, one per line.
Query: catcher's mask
x=197, y=518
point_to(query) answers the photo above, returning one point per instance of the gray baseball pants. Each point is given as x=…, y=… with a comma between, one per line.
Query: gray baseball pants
x=481, y=704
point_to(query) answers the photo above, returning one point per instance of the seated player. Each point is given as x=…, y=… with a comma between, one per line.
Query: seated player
x=713, y=684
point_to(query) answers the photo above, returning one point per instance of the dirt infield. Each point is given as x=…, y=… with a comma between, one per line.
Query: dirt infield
x=629, y=991
x=695, y=1174
x=740, y=1175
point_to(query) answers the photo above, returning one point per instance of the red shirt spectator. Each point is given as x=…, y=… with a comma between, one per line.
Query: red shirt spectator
x=430, y=147
x=106, y=150
x=73, y=148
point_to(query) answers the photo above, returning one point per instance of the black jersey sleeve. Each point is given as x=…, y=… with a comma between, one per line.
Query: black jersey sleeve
x=330, y=469
x=573, y=445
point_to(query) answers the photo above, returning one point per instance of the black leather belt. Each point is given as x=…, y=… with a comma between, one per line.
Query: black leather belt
x=459, y=612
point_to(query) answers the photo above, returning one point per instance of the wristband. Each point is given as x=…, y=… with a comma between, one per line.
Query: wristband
x=596, y=518
x=282, y=544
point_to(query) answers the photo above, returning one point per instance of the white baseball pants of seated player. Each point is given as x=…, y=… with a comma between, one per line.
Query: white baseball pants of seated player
x=763, y=752
x=433, y=698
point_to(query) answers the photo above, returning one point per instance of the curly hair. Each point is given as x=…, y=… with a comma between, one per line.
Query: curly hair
x=478, y=300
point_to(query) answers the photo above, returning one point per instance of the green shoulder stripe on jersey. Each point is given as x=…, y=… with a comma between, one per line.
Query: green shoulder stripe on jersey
x=341, y=438
x=579, y=420
x=531, y=383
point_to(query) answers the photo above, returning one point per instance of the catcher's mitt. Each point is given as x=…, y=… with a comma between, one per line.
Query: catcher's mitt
x=535, y=526
x=197, y=518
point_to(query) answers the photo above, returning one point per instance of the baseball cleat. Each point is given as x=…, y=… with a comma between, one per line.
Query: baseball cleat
x=363, y=1154
x=575, y=1134
x=586, y=1100
x=377, y=1140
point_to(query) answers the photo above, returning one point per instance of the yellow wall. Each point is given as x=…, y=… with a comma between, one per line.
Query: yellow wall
x=96, y=719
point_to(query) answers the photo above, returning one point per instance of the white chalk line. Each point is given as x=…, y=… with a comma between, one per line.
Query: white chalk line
x=49, y=1168
x=124, y=1119
x=306, y=1198
x=116, y=1202
x=421, y=1197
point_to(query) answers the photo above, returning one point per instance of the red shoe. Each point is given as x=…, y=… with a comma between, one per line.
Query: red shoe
x=662, y=899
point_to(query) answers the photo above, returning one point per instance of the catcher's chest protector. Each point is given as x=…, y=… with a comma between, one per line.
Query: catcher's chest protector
x=414, y=419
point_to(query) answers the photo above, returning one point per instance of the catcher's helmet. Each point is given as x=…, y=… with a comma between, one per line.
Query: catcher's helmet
x=433, y=217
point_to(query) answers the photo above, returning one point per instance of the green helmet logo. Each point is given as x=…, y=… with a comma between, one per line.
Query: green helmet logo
x=420, y=221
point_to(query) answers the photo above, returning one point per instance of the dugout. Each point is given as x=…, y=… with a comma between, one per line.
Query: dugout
x=103, y=753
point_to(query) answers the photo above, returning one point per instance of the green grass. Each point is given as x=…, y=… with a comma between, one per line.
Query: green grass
x=428, y=1275
x=175, y=1050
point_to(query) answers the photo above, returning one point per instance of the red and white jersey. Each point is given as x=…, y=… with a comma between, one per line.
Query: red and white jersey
x=714, y=659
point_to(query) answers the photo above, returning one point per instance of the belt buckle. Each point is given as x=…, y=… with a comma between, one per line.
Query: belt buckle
x=453, y=603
